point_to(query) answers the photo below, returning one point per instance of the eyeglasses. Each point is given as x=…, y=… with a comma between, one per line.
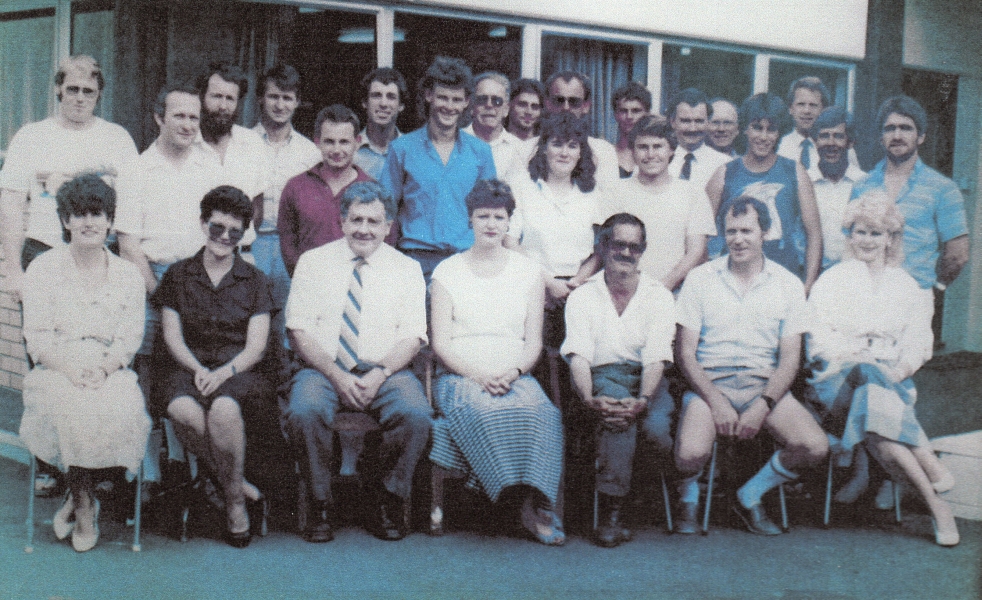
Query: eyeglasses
x=74, y=90
x=619, y=246
x=496, y=101
x=570, y=101
x=217, y=230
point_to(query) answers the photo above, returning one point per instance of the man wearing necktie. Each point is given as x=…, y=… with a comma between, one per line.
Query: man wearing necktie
x=689, y=113
x=807, y=98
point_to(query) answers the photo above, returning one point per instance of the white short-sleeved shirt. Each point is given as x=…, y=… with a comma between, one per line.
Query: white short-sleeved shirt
x=832, y=198
x=790, y=147
x=160, y=203
x=508, y=152
x=555, y=231
x=47, y=147
x=284, y=161
x=245, y=164
x=704, y=164
x=489, y=313
x=669, y=214
x=393, y=299
x=741, y=329
x=642, y=334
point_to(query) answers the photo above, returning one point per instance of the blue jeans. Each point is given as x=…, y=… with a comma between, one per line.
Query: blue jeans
x=269, y=260
x=400, y=408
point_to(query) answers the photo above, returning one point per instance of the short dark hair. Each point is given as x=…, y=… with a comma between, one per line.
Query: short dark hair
x=904, y=106
x=490, y=193
x=87, y=194
x=229, y=200
x=606, y=231
x=565, y=126
x=739, y=207
x=691, y=96
x=765, y=106
x=526, y=85
x=367, y=192
x=335, y=113
x=809, y=82
x=160, y=104
x=632, y=91
x=447, y=72
x=385, y=76
x=652, y=126
x=228, y=72
x=283, y=75
x=570, y=75
x=80, y=63
x=834, y=116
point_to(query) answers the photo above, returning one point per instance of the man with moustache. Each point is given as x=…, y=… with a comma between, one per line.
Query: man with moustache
x=45, y=154
x=689, y=113
x=310, y=210
x=525, y=108
x=630, y=103
x=430, y=171
x=489, y=109
x=740, y=320
x=807, y=98
x=723, y=127
x=240, y=151
x=936, y=243
x=619, y=330
x=833, y=177
x=385, y=89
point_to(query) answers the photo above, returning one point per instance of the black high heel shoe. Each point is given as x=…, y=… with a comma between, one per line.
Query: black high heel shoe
x=258, y=515
x=239, y=539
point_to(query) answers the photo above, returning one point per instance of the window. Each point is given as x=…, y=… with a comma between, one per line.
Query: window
x=92, y=34
x=717, y=73
x=783, y=73
x=26, y=68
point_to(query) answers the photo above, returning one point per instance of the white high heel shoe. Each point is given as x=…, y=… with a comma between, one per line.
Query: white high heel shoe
x=64, y=520
x=84, y=543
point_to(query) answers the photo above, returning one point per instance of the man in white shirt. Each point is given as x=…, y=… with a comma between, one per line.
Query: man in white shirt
x=356, y=317
x=689, y=113
x=525, y=109
x=385, y=89
x=740, y=319
x=724, y=126
x=489, y=108
x=569, y=91
x=288, y=153
x=807, y=98
x=833, y=177
x=619, y=330
x=676, y=213
x=631, y=103
x=46, y=154
x=159, y=195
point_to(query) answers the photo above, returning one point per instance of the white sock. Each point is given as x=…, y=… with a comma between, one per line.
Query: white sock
x=769, y=477
x=689, y=489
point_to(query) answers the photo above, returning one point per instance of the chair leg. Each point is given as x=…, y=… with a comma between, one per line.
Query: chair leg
x=596, y=496
x=709, y=490
x=137, y=510
x=32, y=473
x=784, y=507
x=303, y=502
x=897, y=495
x=436, y=504
x=668, y=504
x=828, y=493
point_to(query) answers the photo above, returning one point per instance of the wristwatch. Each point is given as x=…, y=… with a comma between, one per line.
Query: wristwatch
x=386, y=371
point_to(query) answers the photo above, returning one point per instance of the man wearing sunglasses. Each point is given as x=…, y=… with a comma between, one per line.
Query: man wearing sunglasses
x=619, y=330
x=488, y=110
x=569, y=91
x=45, y=154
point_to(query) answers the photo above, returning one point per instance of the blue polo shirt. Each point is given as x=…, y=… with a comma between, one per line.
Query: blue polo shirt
x=934, y=213
x=430, y=195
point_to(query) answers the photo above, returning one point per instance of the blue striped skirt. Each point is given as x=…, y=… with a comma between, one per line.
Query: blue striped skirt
x=498, y=441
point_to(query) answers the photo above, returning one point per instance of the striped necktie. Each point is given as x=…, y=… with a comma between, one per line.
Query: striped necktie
x=806, y=159
x=347, y=355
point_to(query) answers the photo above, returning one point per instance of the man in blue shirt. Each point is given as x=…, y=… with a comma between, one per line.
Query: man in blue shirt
x=430, y=171
x=935, y=229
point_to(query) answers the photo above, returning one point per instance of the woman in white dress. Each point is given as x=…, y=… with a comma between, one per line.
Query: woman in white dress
x=557, y=205
x=83, y=323
x=495, y=424
x=870, y=332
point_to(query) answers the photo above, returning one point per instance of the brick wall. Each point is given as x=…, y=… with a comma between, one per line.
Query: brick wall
x=13, y=357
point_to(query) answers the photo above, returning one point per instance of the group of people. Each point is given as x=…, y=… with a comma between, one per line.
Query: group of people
x=665, y=258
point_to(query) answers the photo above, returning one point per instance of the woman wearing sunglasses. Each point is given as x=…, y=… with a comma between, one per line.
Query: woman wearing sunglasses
x=216, y=314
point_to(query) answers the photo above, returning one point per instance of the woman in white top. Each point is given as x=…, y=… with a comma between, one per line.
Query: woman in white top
x=557, y=205
x=495, y=423
x=83, y=322
x=870, y=332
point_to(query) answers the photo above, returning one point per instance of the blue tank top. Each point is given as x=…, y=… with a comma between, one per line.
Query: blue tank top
x=777, y=188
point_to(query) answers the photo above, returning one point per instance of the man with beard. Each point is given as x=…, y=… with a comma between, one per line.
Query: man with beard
x=833, y=177
x=385, y=89
x=240, y=151
x=935, y=228
x=489, y=110
x=430, y=171
x=723, y=127
x=619, y=330
x=525, y=108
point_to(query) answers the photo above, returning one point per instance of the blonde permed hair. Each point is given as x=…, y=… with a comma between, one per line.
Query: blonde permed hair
x=875, y=209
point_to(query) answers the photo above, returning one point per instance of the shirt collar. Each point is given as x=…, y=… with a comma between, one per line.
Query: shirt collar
x=240, y=268
x=261, y=130
x=367, y=142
